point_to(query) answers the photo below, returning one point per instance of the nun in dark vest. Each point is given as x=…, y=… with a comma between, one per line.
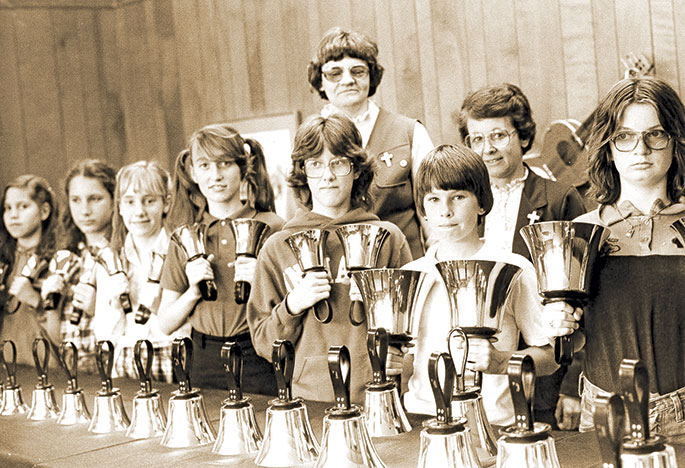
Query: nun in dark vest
x=345, y=71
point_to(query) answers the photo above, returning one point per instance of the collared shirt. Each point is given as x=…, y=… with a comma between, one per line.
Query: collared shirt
x=636, y=233
x=500, y=223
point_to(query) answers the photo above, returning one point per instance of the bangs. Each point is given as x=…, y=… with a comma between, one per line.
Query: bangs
x=445, y=175
x=143, y=180
x=209, y=149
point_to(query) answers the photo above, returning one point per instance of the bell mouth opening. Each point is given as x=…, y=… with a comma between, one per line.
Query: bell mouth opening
x=337, y=413
x=643, y=447
x=515, y=435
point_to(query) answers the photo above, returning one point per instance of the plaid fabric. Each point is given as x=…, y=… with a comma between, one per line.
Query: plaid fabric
x=162, y=369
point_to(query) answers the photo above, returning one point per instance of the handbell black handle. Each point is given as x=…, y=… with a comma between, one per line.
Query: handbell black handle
x=144, y=368
x=442, y=389
x=283, y=359
x=241, y=292
x=340, y=369
x=521, y=370
x=322, y=311
x=182, y=358
x=66, y=349
x=377, y=347
x=609, y=419
x=633, y=380
x=41, y=357
x=104, y=358
x=10, y=362
x=232, y=356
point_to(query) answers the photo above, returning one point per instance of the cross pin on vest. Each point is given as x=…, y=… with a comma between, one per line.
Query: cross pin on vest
x=387, y=159
x=534, y=217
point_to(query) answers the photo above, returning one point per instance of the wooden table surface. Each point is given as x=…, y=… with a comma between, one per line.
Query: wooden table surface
x=26, y=443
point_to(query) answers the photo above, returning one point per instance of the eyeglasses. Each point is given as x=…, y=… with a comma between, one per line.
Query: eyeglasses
x=340, y=167
x=335, y=74
x=498, y=138
x=627, y=140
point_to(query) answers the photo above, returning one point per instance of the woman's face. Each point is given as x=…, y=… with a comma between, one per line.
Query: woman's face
x=142, y=212
x=643, y=166
x=345, y=82
x=21, y=214
x=90, y=205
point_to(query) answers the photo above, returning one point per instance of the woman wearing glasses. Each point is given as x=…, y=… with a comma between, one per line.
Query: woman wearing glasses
x=331, y=177
x=637, y=172
x=345, y=71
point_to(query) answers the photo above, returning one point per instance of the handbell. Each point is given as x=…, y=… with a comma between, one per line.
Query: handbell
x=109, y=414
x=382, y=407
x=62, y=264
x=43, y=401
x=563, y=254
x=147, y=419
x=151, y=289
x=309, y=249
x=88, y=277
x=188, y=424
x=640, y=448
x=239, y=433
x=526, y=444
x=445, y=441
x=679, y=227
x=32, y=270
x=361, y=245
x=346, y=442
x=609, y=420
x=12, y=400
x=74, y=409
x=115, y=266
x=467, y=402
x=191, y=238
x=249, y=235
x=288, y=437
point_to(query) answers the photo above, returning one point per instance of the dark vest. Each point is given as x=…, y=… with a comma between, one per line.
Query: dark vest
x=392, y=188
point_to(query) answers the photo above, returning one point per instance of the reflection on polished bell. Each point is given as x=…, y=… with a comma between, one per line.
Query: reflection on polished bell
x=346, y=442
x=74, y=409
x=188, y=424
x=382, y=408
x=249, y=235
x=148, y=419
x=526, y=444
x=239, y=433
x=109, y=414
x=467, y=402
x=445, y=441
x=43, y=401
x=288, y=437
x=12, y=399
x=191, y=238
x=640, y=448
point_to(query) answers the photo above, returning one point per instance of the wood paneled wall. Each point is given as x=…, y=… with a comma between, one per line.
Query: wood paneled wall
x=131, y=79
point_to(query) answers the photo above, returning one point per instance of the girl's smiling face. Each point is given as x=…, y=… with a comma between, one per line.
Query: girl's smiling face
x=21, y=214
x=142, y=212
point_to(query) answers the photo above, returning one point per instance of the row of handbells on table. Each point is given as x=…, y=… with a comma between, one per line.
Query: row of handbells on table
x=458, y=436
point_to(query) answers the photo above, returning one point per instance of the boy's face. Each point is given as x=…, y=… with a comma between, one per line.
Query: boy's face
x=452, y=214
x=497, y=142
x=331, y=190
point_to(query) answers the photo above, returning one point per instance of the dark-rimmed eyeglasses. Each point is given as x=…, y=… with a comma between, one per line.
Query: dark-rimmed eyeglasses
x=627, y=140
x=335, y=74
x=340, y=167
x=499, y=138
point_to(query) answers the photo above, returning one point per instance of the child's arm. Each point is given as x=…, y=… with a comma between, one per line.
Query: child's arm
x=484, y=357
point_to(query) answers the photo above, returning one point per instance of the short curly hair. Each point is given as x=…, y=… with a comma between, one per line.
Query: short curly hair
x=502, y=100
x=335, y=45
x=340, y=136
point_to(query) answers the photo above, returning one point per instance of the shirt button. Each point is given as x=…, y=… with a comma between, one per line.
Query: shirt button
x=224, y=242
x=223, y=223
x=403, y=163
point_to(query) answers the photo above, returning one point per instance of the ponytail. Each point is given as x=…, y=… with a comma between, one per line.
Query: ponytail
x=188, y=203
x=259, y=192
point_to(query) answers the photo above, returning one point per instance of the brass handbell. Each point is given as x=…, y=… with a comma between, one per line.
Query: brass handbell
x=109, y=414
x=115, y=266
x=188, y=424
x=640, y=448
x=43, y=401
x=382, y=407
x=249, y=235
x=309, y=250
x=32, y=270
x=346, y=442
x=62, y=264
x=609, y=419
x=239, y=433
x=12, y=400
x=361, y=245
x=563, y=254
x=526, y=444
x=288, y=437
x=191, y=238
x=445, y=441
x=148, y=419
x=74, y=409
x=150, y=290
